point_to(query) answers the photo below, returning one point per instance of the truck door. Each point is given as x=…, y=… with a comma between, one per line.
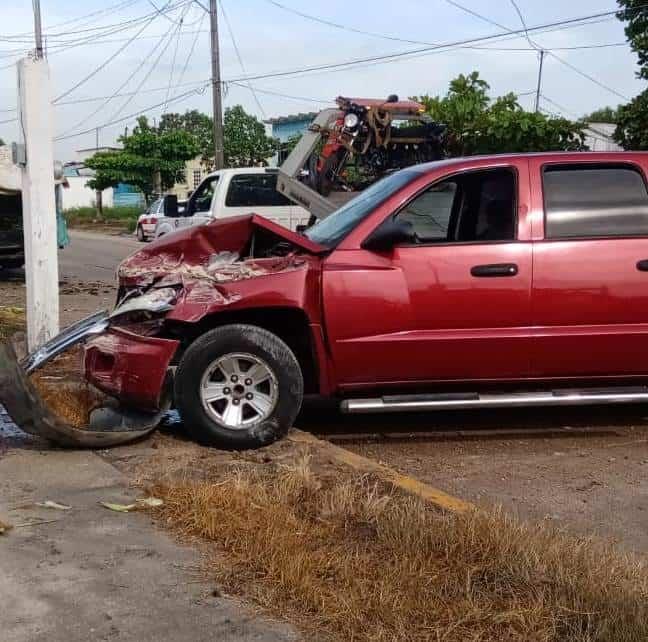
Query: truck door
x=198, y=210
x=590, y=283
x=454, y=305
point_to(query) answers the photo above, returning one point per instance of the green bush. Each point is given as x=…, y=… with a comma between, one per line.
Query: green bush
x=126, y=216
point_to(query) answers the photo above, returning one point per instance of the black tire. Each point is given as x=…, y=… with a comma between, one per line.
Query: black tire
x=231, y=339
x=140, y=234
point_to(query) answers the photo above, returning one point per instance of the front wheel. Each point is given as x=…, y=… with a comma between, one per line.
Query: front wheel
x=238, y=387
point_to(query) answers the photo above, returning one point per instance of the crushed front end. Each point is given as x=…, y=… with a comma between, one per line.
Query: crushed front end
x=129, y=355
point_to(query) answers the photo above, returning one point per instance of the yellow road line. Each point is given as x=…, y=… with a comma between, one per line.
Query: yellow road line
x=384, y=473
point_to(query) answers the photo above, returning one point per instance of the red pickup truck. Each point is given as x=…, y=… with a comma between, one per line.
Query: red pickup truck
x=515, y=280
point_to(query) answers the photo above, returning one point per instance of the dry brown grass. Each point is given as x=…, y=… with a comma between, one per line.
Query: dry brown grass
x=64, y=390
x=12, y=320
x=352, y=561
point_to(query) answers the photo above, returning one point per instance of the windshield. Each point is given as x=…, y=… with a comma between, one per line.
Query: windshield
x=331, y=230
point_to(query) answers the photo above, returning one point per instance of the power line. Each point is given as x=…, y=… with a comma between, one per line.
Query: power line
x=116, y=93
x=135, y=114
x=191, y=50
x=280, y=95
x=144, y=79
x=80, y=19
x=476, y=15
x=549, y=50
x=106, y=62
x=240, y=59
x=344, y=27
x=175, y=50
x=590, y=78
x=421, y=51
x=526, y=31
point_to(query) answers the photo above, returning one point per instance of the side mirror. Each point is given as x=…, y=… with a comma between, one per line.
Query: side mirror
x=171, y=206
x=392, y=232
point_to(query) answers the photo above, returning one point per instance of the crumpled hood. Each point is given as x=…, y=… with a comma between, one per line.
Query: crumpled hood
x=190, y=254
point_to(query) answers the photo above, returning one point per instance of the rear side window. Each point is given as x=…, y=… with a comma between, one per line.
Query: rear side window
x=585, y=201
x=254, y=190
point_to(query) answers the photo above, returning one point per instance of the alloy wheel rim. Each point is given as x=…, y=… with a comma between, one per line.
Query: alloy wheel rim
x=238, y=390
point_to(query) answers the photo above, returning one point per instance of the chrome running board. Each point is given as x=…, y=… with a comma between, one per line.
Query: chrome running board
x=460, y=401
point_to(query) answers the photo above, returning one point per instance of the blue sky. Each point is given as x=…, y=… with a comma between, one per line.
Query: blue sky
x=271, y=39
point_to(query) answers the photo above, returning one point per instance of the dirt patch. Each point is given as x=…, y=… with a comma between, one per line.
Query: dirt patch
x=585, y=470
x=77, y=299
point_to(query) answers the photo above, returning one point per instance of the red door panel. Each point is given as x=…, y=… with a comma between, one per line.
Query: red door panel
x=589, y=300
x=590, y=308
x=419, y=314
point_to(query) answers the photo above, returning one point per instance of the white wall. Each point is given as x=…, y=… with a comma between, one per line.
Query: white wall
x=78, y=195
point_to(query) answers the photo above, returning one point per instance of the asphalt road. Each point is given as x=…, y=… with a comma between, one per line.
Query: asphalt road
x=92, y=257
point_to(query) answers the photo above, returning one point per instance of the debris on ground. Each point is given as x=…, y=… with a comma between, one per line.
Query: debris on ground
x=118, y=508
x=53, y=505
x=5, y=528
x=140, y=504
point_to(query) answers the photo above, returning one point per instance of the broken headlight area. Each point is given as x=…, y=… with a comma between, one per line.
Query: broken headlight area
x=143, y=312
x=155, y=301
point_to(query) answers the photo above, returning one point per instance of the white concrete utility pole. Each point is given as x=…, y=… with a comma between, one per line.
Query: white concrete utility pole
x=38, y=198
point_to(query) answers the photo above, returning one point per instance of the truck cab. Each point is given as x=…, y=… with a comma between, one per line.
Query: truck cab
x=233, y=192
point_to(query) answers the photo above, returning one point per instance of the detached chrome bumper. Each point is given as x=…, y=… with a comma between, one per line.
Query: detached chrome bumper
x=77, y=332
x=109, y=424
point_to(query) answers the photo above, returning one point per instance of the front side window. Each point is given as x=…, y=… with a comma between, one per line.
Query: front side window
x=603, y=201
x=331, y=230
x=255, y=190
x=202, y=198
x=478, y=206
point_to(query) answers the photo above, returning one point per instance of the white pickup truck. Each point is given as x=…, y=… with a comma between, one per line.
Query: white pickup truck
x=232, y=192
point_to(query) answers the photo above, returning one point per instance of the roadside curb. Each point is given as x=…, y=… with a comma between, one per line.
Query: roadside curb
x=410, y=485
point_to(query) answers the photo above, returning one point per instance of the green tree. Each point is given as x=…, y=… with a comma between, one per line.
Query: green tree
x=635, y=14
x=150, y=159
x=603, y=115
x=1, y=142
x=632, y=124
x=246, y=142
x=194, y=122
x=632, y=119
x=479, y=125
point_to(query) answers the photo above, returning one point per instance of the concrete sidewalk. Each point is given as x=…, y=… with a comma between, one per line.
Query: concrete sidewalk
x=97, y=574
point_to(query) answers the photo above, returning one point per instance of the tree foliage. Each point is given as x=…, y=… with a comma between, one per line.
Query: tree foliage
x=146, y=152
x=635, y=14
x=194, y=122
x=603, y=115
x=246, y=143
x=478, y=124
x=632, y=119
x=632, y=123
